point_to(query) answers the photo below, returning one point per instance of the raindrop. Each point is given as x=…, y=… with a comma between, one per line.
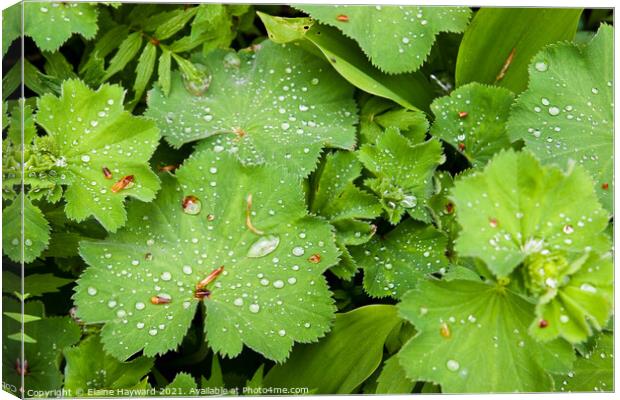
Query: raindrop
x=152, y=332
x=232, y=60
x=198, y=85
x=568, y=229
x=85, y=158
x=554, y=111
x=292, y=281
x=254, y=308
x=112, y=303
x=238, y=302
x=409, y=201
x=278, y=284
x=191, y=205
x=586, y=287
x=281, y=332
x=298, y=251
x=263, y=246
x=187, y=269
x=140, y=325
x=166, y=276
x=541, y=66
x=140, y=305
x=453, y=365
x=91, y=291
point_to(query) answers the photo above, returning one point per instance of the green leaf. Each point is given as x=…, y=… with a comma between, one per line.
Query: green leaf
x=11, y=26
x=34, y=285
x=495, y=33
x=89, y=367
x=11, y=80
x=174, y=24
x=21, y=112
x=411, y=91
x=581, y=303
x=19, y=317
x=396, y=39
x=344, y=205
x=393, y=379
x=473, y=120
x=57, y=65
x=279, y=105
x=183, y=384
x=343, y=360
x=97, y=133
x=144, y=69
x=395, y=263
x=517, y=208
x=50, y=24
x=36, y=231
x=567, y=111
x=403, y=173
x=164, y=71
x=126, y=52
x=48, y=337
x=594, y=372
x=471, y=333
x=216, y=379
x=266, y=298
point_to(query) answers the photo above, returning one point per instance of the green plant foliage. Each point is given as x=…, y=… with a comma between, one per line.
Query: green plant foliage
x=396, y=39
x=346, y=207
x=592, y=372
x=89, y=368
x=457, y=319
x=36, y=231
x=50, y=24
x=41, y=348
x=96, y=133
x=334, y=365
x=261, y=237
x=304, y=101
x=408, y=90
x=393, y=264
x=496, y=33
x=402, y=172
x=473, y=120
x=567, y=111
x=271, y=199
x=531, y=212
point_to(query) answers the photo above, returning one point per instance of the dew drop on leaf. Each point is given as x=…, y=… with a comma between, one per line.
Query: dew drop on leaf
x=191, y=205
x=254, y=308
x=453, y=365
x=263, y=246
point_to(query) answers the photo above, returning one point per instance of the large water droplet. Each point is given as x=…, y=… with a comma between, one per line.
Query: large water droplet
x=191, y=205
x=541, y=66
x=263, y=246
x=254, y=308
x=453, y=365
x=409, y=201
x=232, y=60
x=198, y=84
x=91, y=291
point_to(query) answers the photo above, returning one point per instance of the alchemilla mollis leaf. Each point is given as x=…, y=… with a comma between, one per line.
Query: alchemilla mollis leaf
x=279, y=105
x=395, y=263
x=516, y=211
x=470, y=333
x=396, y=39
x=98, y=150
x=35, y=226
x=567, y=111
x=473, y=120
x=403, y=173
x=237, y=239
x=593, y=371
x=51, y=24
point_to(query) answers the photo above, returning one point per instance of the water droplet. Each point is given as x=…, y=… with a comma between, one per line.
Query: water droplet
x=166, y=276
x=232, y=60
x=187, y=269
x=153, y=332
x=85, y=158
x=564, y=319
x=238, y=302
x=453, y=365
x=254, y=308
x=140, y=305
x=298, y=251
x=112, y=303
x=91, y=291
x=554, y=111
x=409, y=201
x=282, y=332
x=278, y=284
x=121, y=313
x=594, y=90
x=541, y=66
x=140, y=325
x=292, y=281
x=263, y=246
x=568, y=229
x=198, y=84
x=586, y=287
x=191, y=205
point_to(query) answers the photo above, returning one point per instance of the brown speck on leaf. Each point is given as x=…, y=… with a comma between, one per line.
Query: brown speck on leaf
x=315, y=259
x=463, y=114
x=342, y=18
